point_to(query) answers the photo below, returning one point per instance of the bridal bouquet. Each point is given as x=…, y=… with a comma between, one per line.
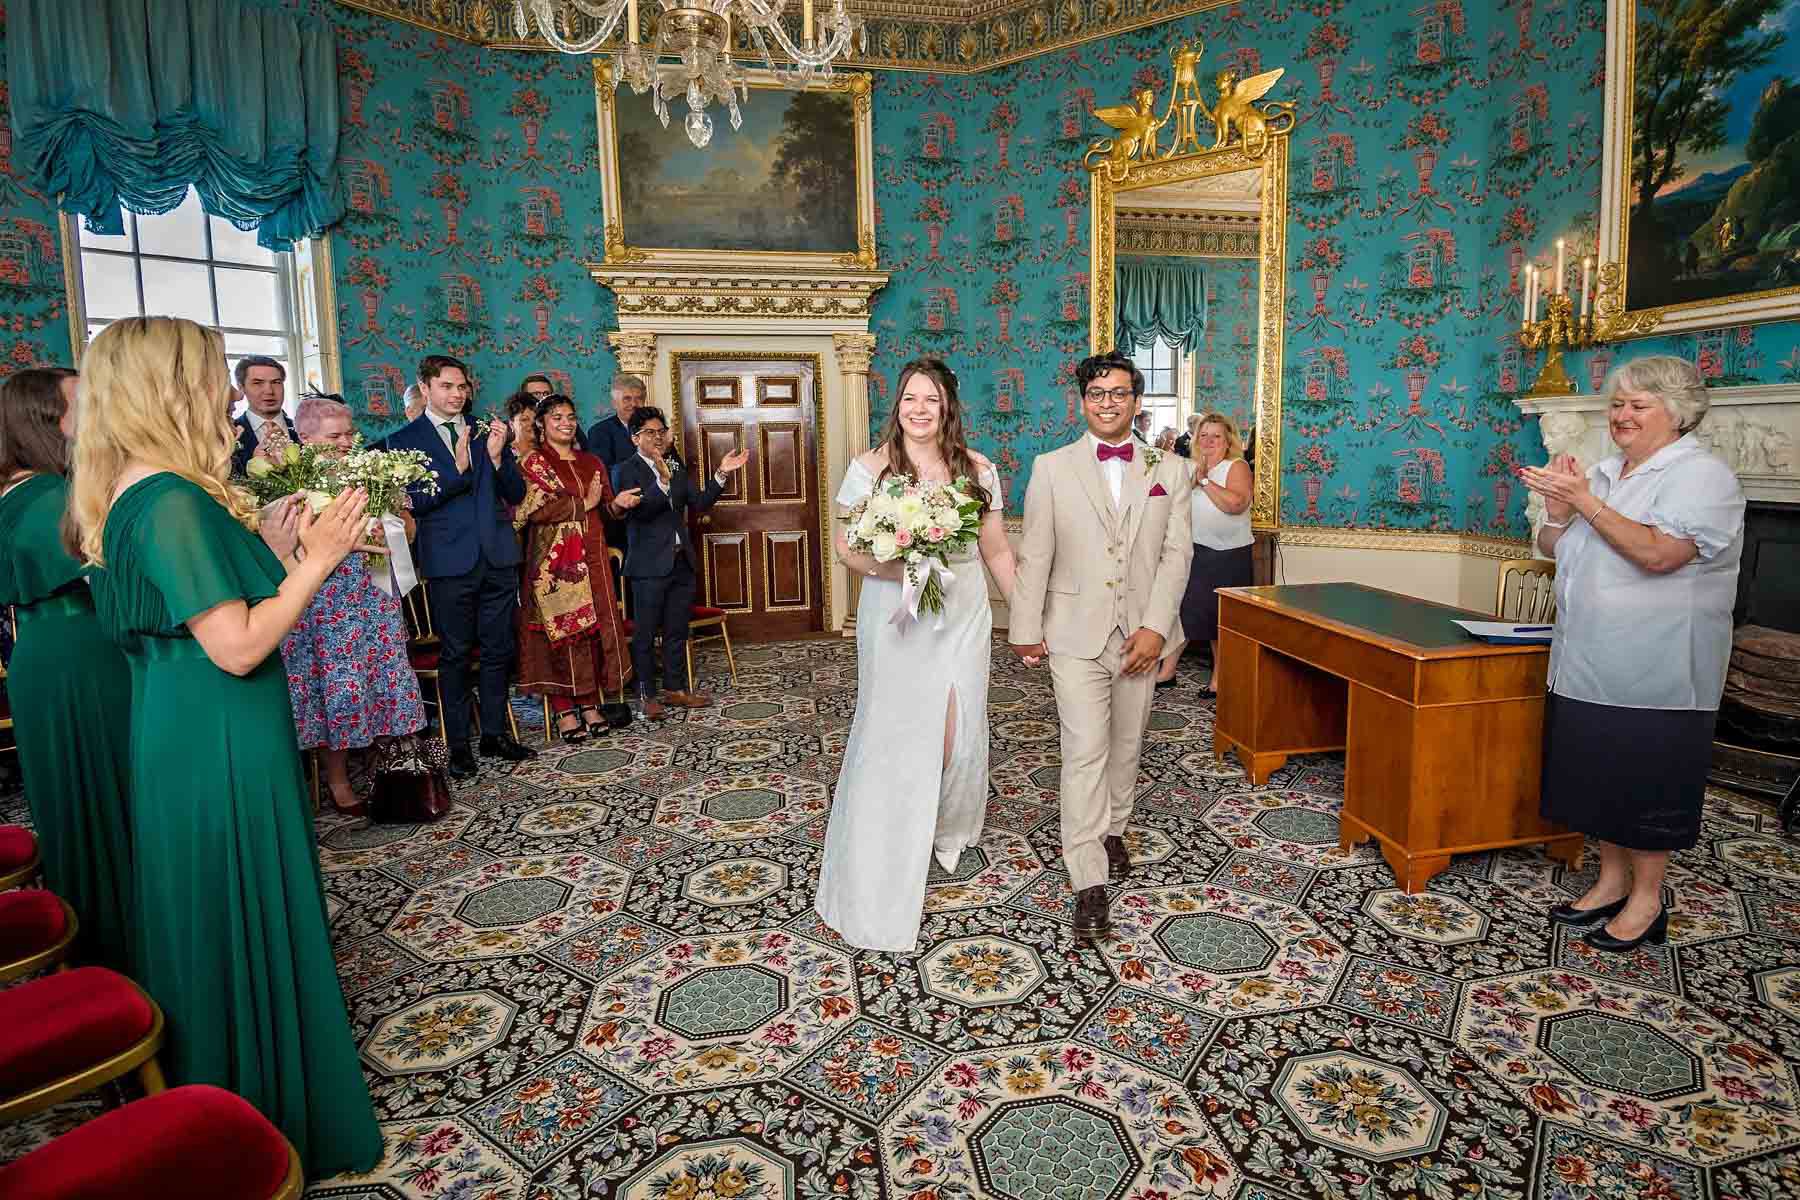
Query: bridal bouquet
x=320, y=475
x=923, y=525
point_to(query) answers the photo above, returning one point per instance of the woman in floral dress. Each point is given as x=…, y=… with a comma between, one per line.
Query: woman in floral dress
x=347, y=669
x=571, y=637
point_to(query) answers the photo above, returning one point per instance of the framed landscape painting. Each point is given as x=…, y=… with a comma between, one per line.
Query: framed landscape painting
x=1700, y=195
x=796, y=181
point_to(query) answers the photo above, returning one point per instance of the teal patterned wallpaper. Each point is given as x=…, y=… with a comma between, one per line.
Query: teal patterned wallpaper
x=1439, y=142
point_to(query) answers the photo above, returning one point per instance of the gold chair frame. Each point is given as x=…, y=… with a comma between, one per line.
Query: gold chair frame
x=1539, y=606
x=140, y=1058
x=55, y=955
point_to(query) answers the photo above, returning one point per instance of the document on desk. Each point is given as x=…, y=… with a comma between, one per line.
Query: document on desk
x=1506, y=634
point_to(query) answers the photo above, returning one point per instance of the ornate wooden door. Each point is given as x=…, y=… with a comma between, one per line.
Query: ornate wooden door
x=760, y=545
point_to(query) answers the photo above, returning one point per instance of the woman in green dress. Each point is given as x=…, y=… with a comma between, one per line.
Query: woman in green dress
x=228, y=902
x=69, y=686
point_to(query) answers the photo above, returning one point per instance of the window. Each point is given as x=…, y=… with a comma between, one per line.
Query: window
x=1162, y=386
x=187, y=263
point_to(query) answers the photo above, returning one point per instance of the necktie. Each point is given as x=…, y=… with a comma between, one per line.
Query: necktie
x=449, y=428
x=1104, y=452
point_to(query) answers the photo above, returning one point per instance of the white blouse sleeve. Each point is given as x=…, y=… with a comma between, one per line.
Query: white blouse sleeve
x=1700, y=500
x=857, y=485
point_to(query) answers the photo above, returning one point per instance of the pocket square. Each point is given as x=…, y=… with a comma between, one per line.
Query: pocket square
x=1156, y=491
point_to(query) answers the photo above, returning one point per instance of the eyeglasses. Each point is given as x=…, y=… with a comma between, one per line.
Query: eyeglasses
x=652, y=431
x=1096, y=395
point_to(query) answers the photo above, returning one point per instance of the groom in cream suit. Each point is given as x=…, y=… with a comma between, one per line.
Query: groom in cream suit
x=1102, y=569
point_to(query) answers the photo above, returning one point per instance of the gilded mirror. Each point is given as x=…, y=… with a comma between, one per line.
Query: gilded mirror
x=1202, y=187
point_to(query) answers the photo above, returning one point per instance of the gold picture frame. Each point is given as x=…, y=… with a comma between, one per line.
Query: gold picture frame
x=1772, y=304
x=1122, y=164
x=620, y=248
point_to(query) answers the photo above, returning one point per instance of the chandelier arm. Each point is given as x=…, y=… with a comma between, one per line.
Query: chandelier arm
x=838, y=29
x=546, y=22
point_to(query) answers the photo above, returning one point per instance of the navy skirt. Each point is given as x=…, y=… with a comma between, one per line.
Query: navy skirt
x=1635, y=777
x=1211, y=570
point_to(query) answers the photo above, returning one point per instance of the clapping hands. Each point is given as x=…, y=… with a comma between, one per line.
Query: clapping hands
x=1561, y=484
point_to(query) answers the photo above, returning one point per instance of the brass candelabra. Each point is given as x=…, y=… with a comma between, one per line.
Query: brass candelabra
x=1559, y=330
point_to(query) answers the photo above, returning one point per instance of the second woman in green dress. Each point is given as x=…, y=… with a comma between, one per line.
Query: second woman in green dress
x=69, y=686
x=233, y=938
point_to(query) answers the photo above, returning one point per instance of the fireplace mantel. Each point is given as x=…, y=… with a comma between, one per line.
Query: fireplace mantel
x=1754, y=429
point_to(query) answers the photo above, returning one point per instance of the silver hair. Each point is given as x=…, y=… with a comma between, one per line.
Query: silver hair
x=312, y=411
x=1674, y=381
x=629, y=383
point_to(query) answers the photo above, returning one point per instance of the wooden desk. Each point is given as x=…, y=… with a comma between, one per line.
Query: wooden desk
x=1443, y=734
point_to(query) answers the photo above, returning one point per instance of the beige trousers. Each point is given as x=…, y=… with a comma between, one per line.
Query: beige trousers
x=1104, y=714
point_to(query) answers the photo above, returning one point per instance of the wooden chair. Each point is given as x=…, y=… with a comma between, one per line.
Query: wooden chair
x=38, y=929
x=423, y=649
x=1527, y=592
x=53, y=1029
x=700, y=616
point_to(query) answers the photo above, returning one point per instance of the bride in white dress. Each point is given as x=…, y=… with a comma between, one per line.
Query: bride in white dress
x=915, y=775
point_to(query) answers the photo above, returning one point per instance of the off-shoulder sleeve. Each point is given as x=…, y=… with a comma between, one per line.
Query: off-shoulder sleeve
x=1700, y=500
x=989, y=479
x=857, y=485
x=198, y=557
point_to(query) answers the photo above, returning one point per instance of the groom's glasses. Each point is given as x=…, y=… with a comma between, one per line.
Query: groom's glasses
x=1117, y=395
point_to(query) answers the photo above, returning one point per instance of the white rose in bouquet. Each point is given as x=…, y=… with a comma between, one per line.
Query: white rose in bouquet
x=883, y=547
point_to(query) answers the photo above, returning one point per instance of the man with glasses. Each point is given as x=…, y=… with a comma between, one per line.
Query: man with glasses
x=1102, y=569
x=660, y=560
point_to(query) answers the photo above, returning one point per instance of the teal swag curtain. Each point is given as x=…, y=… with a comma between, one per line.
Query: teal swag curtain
x=129, y=102
x=1159, y=298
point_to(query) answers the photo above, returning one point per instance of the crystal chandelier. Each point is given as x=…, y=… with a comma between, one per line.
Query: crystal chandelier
x=697, y=35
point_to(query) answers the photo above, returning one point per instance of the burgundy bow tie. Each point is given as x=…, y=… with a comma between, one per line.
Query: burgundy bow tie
x=1102, y=451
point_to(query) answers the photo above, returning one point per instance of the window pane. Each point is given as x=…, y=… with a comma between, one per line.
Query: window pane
x=248, y=299
x=105, y=243
x=177, y=290
x=231, y=244
x=109, y=285
x=181, y=232
x=237, y=345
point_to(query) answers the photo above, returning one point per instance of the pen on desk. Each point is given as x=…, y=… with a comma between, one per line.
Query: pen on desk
x=1534, y=628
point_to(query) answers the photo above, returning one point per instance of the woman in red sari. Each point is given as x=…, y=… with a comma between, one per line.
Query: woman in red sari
x=571, y=636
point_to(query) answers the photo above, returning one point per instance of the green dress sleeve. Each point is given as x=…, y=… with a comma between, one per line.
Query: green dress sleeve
x=198, y=557
x=33, y=563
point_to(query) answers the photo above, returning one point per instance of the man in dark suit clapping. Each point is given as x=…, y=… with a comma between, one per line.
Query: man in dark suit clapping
x=659, y=561
x=468, y=555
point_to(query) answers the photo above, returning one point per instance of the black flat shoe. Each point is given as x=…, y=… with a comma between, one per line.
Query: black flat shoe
x=1093, y=916
x=462, y=763
x=501, y=745
x=1163, y=685
x=1207, y=693
x=1118, y=859
x=1656, y=935
x=1568, y=914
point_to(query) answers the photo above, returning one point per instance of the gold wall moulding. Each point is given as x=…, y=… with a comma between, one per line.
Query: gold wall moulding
x=940, y=36
x=1341, y=537
x=1188, y=235
x=776, y=295
x=1112, y=174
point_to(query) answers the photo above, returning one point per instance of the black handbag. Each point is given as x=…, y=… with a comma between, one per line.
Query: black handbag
x=411, y=787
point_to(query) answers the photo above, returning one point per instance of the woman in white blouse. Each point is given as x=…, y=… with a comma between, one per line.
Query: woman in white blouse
x=1646, y=546
x=1221, y=510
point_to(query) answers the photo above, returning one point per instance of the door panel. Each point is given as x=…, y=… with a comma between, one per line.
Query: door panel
x=762, y=560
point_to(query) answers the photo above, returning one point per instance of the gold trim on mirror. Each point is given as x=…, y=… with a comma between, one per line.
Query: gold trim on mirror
x=1247, y=138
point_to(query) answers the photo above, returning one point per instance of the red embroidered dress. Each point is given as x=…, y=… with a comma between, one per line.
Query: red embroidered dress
x=571, y=633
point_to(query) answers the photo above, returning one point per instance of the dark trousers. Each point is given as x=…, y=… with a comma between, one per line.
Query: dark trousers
x=473, y=615
x=661, y=605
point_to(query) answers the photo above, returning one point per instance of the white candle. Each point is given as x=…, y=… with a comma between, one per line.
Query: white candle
x=631, y=22
x=1587, y=271
x=806, y=20
x=1531, y=295
x=1559, y=268
x=1524, y=296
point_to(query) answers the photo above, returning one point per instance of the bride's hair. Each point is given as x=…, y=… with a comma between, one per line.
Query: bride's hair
x=953, y=440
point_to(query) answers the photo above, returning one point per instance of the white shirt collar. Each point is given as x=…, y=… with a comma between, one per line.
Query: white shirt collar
x=1613, y=466
x=1095, y=440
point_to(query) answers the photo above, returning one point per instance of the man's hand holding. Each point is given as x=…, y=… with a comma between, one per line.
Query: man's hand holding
x=497, y=432
x=1142, y=649
x=1032, y=655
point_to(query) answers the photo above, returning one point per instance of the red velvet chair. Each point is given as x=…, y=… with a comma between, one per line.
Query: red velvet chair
x=36, y=930
x=18, y=856
x=192, y=1141
x=68, y=1033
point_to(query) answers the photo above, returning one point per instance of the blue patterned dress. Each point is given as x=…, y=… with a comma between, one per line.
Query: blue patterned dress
x=347, y=669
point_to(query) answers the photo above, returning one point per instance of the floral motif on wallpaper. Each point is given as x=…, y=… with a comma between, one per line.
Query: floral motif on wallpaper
x=34, y=328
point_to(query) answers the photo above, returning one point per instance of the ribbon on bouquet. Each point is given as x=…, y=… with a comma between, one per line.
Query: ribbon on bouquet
x=912, y=591
x=396, y=576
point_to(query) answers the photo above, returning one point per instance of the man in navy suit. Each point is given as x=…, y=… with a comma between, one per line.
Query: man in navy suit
x=610, y=438
x=468, y=556
x=659, y=561
x=263, y=382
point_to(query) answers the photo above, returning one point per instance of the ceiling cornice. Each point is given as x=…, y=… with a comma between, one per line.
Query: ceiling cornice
x=942, y=36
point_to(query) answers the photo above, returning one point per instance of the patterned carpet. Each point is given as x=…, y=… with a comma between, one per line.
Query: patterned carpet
x=600, y=976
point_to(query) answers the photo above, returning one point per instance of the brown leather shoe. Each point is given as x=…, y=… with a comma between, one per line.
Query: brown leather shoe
x=687, y=699
x=654, y=710
x=1093, y=916
x=1118, y=859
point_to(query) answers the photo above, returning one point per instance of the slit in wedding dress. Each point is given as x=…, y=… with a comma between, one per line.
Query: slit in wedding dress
x=947, y=856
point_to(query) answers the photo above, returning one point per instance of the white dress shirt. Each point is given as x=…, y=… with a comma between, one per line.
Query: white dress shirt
x=1113, y=469
x=449, y=435
x=663, y=484
x=1630, y=637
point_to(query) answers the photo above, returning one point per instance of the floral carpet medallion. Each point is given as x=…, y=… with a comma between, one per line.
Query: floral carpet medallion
x=600, y=977
x=738, y=807
x=1636, y=1065
x=1371, y=1109
x=711, y=1011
